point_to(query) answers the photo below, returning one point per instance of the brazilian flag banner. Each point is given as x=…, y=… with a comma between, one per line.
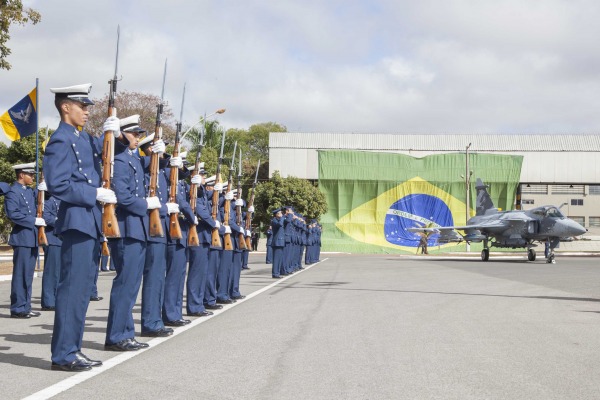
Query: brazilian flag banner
x=373, y=198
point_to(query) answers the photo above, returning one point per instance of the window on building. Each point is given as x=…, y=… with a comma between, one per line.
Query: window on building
x=576, y=202
x=534, y=189
x=595, y=221
x=567, y=189
x=595, y=190
x=579, y=220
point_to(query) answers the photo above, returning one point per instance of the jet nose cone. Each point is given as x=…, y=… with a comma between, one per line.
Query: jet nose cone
x=576, y=229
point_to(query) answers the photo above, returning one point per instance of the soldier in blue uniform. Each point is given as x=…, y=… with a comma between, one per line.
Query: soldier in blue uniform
x=269, y=257
x=72, y=165
x=199, y=255
x=278, y=243
x=129, y=250
x=20, y=208
x=224, y=275
x=214, y=252
x=177, y=257
x=51, y=255
x=288, y=228
x=236, y=265
x=155, y=267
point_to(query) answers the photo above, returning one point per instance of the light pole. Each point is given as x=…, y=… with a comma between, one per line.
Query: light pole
x=202, y=119
x=468, y=188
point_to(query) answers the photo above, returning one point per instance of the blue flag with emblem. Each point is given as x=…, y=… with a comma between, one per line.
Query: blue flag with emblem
x=21, y=119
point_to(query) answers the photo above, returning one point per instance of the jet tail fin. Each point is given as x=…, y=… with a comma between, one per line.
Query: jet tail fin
x=484, y=201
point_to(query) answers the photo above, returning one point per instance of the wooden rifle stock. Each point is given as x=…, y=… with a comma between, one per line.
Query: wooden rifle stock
x=238, y=211
x=42, y=240
x=227, y=243
x=249, y=218
x=156, y=229
x=110, y=226
x=174, y=228
x=215, y=238
x=105, y=250
x=193, y=239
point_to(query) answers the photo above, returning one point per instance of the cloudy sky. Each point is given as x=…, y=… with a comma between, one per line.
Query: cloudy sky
x=380, y=66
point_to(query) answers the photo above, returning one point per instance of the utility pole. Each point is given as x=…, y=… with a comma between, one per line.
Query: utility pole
x=468, y=188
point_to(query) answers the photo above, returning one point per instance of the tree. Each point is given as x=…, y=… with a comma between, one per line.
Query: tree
x=12, y=12
x=128, y=104
x=306, y=198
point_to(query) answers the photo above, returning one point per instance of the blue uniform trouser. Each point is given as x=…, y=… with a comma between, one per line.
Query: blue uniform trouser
x=94, y=292
x=269, y=258
x=153, y=286
x=104, y=266
x=77, y=270
x=286, y=259
x=131, y=254
x=51, y=275
x=196, y=281
x=224, y=275
x=277, y=267
x=245, y=258
x=210, y=291
x=176, y=263
x=22, y=278
x=300, y=254
x=236, y=272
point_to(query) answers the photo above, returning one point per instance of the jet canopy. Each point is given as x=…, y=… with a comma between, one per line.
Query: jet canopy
x=547, y=211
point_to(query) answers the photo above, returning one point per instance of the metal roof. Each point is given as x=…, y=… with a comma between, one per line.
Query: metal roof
x=438, y=142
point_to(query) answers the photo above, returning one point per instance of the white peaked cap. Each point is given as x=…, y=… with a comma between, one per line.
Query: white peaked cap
x=76, y=92
x=183, y=154
x=28, y=167
x=131, y=124
x=211, y=179
x=147, y=139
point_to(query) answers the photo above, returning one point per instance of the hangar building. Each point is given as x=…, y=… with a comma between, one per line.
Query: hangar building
x=557, y=169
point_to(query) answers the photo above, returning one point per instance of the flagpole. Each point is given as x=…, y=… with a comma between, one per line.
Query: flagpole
x=37, y=150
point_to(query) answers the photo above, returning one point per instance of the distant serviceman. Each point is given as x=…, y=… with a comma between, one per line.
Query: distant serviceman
x=278, y=243
x=20, y=208
x=72, y=165
x=269, y=258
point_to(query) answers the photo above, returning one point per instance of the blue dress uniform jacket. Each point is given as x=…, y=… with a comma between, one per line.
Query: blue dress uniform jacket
x=128, y=183
x=72, y=172
x=19, y=205
x=278, y=244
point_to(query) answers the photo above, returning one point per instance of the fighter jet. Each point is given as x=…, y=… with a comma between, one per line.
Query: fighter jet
x=510, y=229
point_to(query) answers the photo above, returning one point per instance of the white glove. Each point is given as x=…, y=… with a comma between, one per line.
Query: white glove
x=158, y=147
x=217, y=224
x=42, y=187
x=251, y=209
x=241, y=230
x=106, y=196
x=172, y=208
x=176, y=162
x=218, y=187
x=197, y=180
x=229, y=196
x=153, y=202
x=40, y=222
x=112, y=124
x=195, y=220
x=248, y=233
x=239, y=202
x=227, y=229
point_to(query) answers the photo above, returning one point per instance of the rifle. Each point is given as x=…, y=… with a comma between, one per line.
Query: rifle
x=193, y=239
x=250, y=204
x=110, y=226
x=238, y=209
x=215, y=238
x=156, y=229
x=174, y=228
x=227, y=243
x=42, y=240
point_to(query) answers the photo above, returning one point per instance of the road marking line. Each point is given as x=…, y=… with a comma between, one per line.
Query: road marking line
x=81, y=377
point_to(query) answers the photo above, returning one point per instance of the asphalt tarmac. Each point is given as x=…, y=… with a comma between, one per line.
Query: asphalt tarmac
x=349, y=327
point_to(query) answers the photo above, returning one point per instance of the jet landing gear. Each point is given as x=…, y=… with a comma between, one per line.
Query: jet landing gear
x=485, y=253
x=550, y=259
x=531, y=254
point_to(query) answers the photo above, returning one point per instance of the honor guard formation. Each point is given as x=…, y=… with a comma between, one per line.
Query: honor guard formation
x=135, y=204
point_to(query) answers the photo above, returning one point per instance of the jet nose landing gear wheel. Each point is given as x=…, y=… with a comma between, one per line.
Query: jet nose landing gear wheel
x=485, y=254
x=550, y=259
x=531, y=255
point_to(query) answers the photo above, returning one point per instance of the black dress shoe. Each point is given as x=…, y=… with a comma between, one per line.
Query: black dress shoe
x=123, y=345
x=178, y=322
x=96, y=298
x=48, y=308
x=276, y=277
x=213, y=306
x=240, y=297
x=140, y=345
x=74, y=366
x=92, y=363
x=162, y=332
x=225, y=301
x=25, y=314
x=199, y=314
